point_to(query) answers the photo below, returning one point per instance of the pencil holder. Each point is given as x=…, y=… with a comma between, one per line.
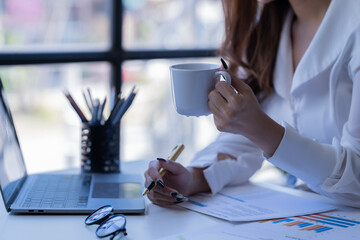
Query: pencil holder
x=100, y=148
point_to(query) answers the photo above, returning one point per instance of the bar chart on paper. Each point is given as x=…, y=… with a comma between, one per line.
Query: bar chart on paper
x=316, y=222
x=330, y=226
x=250, y=202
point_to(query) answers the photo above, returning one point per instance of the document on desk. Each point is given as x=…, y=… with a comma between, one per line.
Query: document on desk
x=251, y=202
x=333, y=225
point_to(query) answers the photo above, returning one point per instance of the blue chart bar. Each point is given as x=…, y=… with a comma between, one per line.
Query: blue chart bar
x=323, y=229
x=231, y=197
x=331, y=223
x=305, y=224
x=345, y=220
x=284, y=220
x=339, y=222
x=196, y=203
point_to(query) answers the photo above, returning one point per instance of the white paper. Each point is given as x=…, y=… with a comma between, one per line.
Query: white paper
x=251, y=202
x=330, y=226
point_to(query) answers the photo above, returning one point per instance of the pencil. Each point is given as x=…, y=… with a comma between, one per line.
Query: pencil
x=86, y=101
x=95, y=112
x=90, y=98
x=173, y=156
x=75, y=106
x=112, y=98
x=100, y=116
x=124, y=107
x=117, y=106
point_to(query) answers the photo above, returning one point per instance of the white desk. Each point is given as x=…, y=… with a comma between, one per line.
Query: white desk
x=156, y=223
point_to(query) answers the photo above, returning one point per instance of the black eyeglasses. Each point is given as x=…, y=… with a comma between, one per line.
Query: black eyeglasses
x=110, y=224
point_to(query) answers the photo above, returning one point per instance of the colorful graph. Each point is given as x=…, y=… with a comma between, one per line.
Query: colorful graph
x=311, y=222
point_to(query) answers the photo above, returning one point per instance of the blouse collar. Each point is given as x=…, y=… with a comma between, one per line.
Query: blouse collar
x=340, y=20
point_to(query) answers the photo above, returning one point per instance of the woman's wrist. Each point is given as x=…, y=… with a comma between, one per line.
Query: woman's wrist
x=266, y=134
x=198, y=182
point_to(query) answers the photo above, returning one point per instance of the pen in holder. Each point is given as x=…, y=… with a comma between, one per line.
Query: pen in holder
x=100, y=136
x=100, y=148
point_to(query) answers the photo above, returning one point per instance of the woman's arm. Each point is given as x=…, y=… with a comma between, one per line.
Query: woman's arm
x=331, y=169
x=231, y=159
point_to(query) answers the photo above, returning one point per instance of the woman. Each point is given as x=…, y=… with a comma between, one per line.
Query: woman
x=298, y=101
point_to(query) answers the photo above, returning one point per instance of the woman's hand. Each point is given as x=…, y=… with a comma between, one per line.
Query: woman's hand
x=177, y=179
x=240, y=113
x=234, y=112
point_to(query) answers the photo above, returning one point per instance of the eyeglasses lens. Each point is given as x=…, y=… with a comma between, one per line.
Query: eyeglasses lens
x=98, y=215
x=111, y=226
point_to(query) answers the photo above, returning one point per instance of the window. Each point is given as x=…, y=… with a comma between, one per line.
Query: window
x=46, y=46
x=182, y=24
x=47, y=127
x=48, y=26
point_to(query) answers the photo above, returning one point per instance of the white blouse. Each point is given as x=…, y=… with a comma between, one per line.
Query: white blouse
x=319, y=106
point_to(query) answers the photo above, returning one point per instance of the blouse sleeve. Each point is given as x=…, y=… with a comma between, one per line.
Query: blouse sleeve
x=330, y=169
x=218, y=174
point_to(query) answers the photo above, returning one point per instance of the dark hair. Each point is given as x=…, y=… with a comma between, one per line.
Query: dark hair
x=251, y=41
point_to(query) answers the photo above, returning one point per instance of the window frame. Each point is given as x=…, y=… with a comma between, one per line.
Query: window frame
x=115, y=55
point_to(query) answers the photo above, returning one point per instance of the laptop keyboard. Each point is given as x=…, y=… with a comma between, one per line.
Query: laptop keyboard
x=63, y=191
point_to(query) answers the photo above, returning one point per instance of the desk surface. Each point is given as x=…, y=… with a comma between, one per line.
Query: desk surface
x=156, y=223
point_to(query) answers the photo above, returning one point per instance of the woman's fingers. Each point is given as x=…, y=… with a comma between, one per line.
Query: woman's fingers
x=166, y=190
x=214, y=109
x=159, y=195
x=156, y=196
x=225, y=90
x=240, y=86
x=171, y=166
x=235, y=108
x=216, y=101
x=152, y=173
x=162, y=194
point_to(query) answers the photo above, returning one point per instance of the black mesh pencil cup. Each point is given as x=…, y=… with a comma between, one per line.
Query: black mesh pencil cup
x=100, y=148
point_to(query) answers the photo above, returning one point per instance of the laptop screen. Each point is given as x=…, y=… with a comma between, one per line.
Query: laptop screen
x=12, y=167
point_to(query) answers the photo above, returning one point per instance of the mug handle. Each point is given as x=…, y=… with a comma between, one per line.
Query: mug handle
x=225, y=75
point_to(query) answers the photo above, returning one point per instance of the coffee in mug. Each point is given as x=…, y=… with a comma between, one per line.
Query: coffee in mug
x=191, y=84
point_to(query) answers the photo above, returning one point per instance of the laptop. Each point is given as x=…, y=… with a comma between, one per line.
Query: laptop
x=53, y=193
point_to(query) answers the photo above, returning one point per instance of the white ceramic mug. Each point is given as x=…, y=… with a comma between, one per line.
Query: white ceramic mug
x=191, y=84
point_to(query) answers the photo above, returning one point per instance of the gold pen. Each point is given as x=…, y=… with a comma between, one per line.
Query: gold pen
x=173, y=156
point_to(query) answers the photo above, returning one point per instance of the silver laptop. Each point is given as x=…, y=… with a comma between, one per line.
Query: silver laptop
x=56, y=193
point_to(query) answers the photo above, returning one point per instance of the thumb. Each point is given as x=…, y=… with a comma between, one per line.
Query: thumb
x=171, y=166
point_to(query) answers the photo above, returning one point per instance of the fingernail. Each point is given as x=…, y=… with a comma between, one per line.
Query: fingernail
x=224, y=64
x=180, y=200
x=178, y=196
x=183, y=199
x=162, y=159
x=160, y=183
